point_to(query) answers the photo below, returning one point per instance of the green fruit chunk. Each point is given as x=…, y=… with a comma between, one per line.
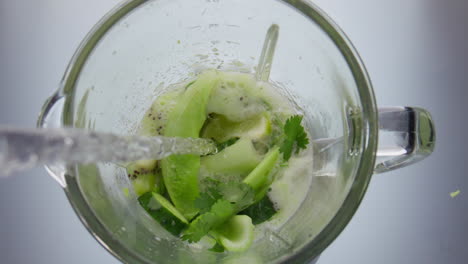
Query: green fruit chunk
x=144, y=177
x=189, y=113
x=234, y=97
x=155, y=119
x=180, y=172
x=141, y=166
x=144, y=183
x=241, y=157
x=258, y=178
x=236, y=234
x=221, y=129
x=163, y=212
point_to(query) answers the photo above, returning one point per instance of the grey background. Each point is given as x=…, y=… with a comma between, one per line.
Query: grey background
x=416, y=54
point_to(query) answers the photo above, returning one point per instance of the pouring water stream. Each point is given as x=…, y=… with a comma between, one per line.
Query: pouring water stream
x=26, y=148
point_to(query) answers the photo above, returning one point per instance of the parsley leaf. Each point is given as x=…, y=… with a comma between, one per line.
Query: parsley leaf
x=295, y=137
x=261, y=211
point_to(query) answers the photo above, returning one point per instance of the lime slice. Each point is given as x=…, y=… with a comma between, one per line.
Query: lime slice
x=236, y=234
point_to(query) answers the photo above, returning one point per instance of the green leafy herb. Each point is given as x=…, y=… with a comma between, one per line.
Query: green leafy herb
x=145, y=199
x=162, y=215
x=226, y=143
x=261, y=211
x=218, y=204
x=206, y=200
x=210, y=182
x=217, y=248
x=296, y=137
x=221, y=211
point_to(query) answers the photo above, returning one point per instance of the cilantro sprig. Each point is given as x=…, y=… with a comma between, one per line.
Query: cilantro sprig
x=205, y=200
x=295, y=137
x=221, y=211
x=217, y=205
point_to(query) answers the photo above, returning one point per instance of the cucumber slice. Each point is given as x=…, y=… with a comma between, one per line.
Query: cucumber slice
x=163, y=212
x=221, y=129
x=258, y=178
x=236, y=234
x=233, y=97
x=241, y=158
x=180, y=172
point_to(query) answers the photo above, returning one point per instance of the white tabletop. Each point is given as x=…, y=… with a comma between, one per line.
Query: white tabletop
x=416, y=54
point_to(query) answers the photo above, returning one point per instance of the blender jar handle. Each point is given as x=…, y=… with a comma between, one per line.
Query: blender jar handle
x=51, y=117
x=406, y=136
